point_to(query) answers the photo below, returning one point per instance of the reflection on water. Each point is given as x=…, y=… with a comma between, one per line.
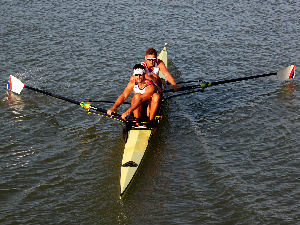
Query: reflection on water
x=15, y=102
x=288, y=91
x=19, y=158
x=226, y=156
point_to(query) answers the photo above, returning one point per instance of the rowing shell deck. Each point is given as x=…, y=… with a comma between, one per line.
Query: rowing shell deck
x=136, y=146
x=134, y=151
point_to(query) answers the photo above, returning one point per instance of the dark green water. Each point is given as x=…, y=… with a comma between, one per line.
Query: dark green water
x=229, y=155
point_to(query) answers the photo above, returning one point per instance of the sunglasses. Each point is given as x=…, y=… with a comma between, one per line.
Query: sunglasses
x=151, y=59
x=138, y=75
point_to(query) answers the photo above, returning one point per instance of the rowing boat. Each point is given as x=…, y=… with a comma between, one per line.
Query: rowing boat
x=137, y=139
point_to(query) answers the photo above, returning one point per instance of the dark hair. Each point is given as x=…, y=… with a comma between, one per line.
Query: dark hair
x=138, y=66
x=151, y=51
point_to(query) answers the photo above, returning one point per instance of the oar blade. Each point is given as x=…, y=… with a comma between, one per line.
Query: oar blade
x=286, y=73
x=14, y=84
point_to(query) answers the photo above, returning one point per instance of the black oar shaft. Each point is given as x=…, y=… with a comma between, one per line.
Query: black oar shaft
x=53, y=95
x=106, y=101
x=241, y=79
x=100, y=110
x=189, y=81
x=204, y=84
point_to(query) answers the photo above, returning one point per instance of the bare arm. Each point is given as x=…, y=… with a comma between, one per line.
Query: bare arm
x=166, y=73
x=121, y=99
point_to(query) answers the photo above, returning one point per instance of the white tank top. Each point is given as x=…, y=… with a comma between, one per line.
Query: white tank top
x=155, y=69
x=137, y=89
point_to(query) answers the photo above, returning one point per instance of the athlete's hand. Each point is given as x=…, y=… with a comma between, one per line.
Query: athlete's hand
x=110, y=111
x=125, y=114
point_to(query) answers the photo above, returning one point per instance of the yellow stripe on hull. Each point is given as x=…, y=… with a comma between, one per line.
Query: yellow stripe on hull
x=134, y=151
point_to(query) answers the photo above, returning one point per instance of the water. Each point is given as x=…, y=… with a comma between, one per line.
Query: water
x=229, y=155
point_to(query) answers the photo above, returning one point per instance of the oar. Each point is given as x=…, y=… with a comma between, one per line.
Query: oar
x=190, y=81
x=15, y=85
x=187, y=82
x=284, y=74
x=106, y=101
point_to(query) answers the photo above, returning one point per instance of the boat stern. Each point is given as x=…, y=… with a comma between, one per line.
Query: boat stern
x=134, y=151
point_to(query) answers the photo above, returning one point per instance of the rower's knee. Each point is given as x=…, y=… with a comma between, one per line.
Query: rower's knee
x=156, y=97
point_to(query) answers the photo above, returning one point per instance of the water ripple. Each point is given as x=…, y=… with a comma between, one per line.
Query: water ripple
x=226, y=156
